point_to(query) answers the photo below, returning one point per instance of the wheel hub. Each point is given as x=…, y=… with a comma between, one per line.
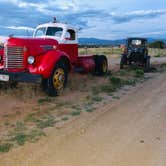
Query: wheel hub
x=59, y=79
x=104, y=66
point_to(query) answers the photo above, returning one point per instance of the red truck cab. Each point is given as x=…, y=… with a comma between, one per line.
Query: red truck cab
x=47, y=57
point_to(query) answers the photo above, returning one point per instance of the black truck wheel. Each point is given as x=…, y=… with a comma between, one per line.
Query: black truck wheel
x=55, y=84
x=147, y=64
x=122, y=61
x=101, y=65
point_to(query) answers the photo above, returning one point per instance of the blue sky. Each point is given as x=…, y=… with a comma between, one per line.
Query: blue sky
x=106, y=19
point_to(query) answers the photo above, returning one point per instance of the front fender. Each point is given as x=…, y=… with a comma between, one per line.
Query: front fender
x=45, y=64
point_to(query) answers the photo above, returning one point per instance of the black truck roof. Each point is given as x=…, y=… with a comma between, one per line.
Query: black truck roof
x=136, y=38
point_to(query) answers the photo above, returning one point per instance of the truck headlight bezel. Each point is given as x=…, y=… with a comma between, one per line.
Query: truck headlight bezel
x=31, y=60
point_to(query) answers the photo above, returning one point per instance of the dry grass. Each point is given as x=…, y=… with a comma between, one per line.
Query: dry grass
x=116, y=50
x=100, y=51
x=157, y=52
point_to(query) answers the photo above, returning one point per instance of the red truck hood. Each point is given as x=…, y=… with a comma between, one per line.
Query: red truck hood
x=35, y=46
x=31, y=41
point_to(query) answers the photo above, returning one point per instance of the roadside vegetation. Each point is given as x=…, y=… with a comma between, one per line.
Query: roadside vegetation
x=34, y=125
x=155, y=52
x=101, y=50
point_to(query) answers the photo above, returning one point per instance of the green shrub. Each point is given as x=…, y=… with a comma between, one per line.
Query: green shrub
x=139, y=73
x=75, y=113
x=49, y=121
x=157, y=44
x=97, y=98
x=20, y=138
x=5, y=147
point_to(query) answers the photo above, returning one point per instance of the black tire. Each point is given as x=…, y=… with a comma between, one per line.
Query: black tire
x=122, y=61
x=10, y=84
x=101, y=65
x=55, y=84
x=147, y=64
x=44, y=84
x=13, y=84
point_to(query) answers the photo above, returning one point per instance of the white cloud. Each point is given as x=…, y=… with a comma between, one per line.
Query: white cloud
x=138, y=14
x=101, y=19
x=153, y=33
x=18, y=28
x=64, y=4
x=44, y=6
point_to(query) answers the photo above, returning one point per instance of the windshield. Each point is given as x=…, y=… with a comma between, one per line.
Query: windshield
x=49, y=31
x=136, y=42
x=40, y=32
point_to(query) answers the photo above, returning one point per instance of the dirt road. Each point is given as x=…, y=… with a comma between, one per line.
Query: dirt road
x=128, y=132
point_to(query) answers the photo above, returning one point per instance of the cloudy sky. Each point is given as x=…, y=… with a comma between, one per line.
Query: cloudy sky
x=106, y=19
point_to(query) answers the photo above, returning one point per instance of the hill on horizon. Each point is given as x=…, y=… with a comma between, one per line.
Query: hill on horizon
x=95, y=41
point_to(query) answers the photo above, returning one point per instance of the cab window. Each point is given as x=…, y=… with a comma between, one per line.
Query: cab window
x=70, y=35
x=54, y=31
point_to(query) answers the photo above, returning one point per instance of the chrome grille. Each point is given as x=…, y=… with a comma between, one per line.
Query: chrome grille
x=13, y=57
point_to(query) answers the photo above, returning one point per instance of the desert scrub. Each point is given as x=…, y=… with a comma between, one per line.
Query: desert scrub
x=113, y=85
x=118, y=80
x=97, y=98
x=65, y=118
x=116, y=97
x=20, y=138
x=157, y=56
x=6, y=123
x=162, y=67
x=139, y=73
x=21, y=134
x=5, y=147
x=31, y=118
x=90, y=110
x=44, y=100
x=75, y=113
x=45, y=122
x=35, y=134
x=20, y=126
x=76, y=107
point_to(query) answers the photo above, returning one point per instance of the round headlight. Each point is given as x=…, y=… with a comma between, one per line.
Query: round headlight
x=31, y=60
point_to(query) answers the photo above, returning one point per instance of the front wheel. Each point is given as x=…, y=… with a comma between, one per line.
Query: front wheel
x=122, y=61
x=147, y=65
x=55, y=84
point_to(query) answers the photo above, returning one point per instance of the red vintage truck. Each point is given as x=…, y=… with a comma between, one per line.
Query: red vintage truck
x=47, y=57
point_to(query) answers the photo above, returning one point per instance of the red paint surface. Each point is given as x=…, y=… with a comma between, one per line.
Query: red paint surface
x=46, y=59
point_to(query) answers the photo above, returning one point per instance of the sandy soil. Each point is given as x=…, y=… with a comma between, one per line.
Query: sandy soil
x=127, y=132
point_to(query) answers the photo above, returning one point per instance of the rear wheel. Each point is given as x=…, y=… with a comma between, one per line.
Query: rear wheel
x=122, y=61
x=55, y=84
x=147, y=64
x=101, y=65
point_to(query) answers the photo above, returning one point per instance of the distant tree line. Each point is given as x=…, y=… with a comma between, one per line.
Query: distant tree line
x=157, y=44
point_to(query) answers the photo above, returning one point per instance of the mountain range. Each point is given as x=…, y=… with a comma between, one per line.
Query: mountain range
x=95, y=41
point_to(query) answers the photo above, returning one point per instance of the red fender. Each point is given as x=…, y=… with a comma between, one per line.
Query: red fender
x=45, y=63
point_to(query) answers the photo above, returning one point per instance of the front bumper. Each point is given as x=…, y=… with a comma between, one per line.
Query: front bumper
x=20, y=76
